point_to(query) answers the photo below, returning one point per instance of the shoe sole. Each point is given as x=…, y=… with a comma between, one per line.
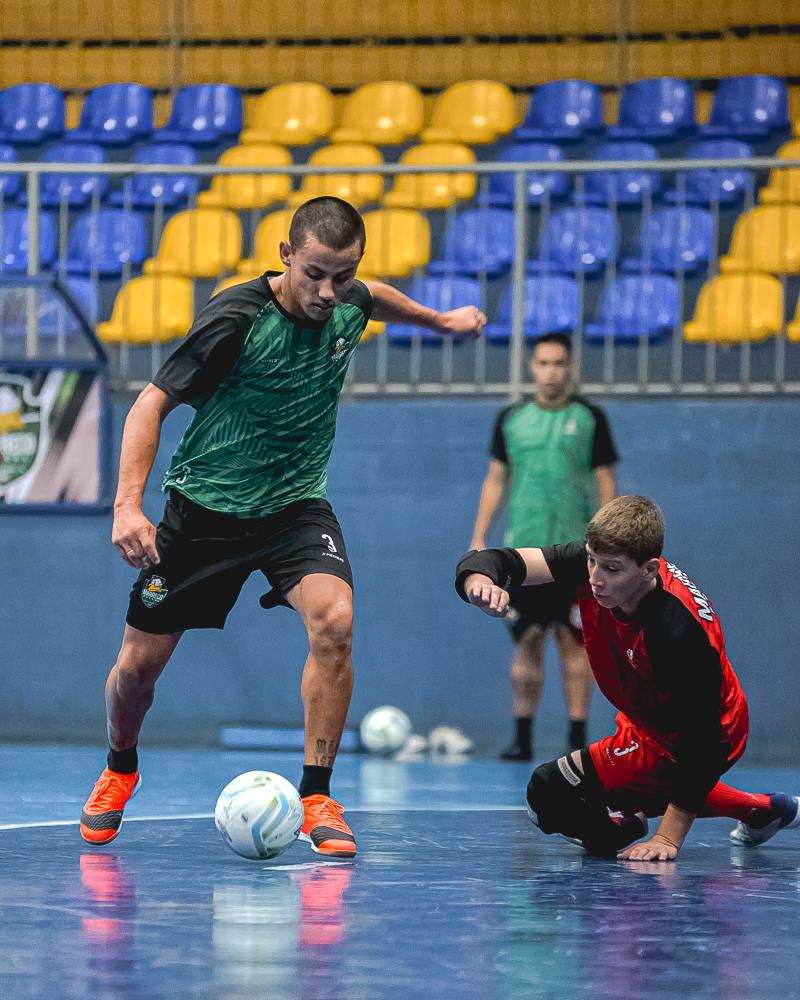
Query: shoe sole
x=102, y=843
x=744, y=839
x=325, y=854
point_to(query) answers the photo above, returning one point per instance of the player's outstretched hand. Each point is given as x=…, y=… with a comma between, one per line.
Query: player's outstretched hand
x=134, y=537
x=486, y=595
x=464, y=321
x=655, y=849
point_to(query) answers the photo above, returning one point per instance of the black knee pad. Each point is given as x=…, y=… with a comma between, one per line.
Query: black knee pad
x=554, y=792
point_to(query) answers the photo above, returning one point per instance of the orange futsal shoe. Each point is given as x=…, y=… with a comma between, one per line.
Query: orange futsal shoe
x=324, y=828
x=102, y=815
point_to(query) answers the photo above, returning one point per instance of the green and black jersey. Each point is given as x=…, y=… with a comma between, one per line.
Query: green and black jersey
x=266, y=388
x=551, y=456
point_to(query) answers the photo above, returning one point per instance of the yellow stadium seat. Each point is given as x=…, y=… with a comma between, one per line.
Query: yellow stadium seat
x=358, y=189
x=766, y=238
x=735, y=307
x=474, y=111
x=382, y=113
x=793, y=328
x=398, y=241
x=242, y=191
x=150, y=309
x=266, y=244
x=429, y=191
x=292, y=114
x=200, y=243
x=784, y=185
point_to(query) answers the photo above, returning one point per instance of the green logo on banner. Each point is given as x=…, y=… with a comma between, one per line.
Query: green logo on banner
x=20, y=426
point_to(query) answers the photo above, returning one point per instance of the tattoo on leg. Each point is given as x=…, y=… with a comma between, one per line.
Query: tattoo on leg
x=326, y=753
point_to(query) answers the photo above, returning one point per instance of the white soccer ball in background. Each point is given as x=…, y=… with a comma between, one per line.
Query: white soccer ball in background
x=259, y=814
x=384, y=729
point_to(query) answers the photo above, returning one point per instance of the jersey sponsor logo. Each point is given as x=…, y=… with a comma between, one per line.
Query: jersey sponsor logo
x=704, y=608
x=570, y=426
x=154, y=591
x=339, y=348
x=623, y=751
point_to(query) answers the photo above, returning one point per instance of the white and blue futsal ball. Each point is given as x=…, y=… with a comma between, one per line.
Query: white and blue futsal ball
x=384, y=729
x=259, y=814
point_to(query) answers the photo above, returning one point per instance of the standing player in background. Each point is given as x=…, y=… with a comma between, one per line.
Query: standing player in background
x=555, y=455
x=657, y=651
x=263, y=366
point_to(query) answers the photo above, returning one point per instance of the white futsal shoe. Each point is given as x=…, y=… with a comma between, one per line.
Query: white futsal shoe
x=787, y=809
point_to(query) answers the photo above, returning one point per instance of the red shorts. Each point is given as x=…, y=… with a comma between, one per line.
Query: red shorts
x=637, y=772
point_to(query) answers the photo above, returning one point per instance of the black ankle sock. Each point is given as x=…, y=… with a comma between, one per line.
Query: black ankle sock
x=524, y=732
x=577, y=734
x=315, y=781
x=123, y=761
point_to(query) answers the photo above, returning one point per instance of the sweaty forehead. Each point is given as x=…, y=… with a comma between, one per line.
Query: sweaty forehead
x=314, y=253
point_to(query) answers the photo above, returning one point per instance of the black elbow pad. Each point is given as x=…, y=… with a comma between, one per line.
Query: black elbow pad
x=504, y=567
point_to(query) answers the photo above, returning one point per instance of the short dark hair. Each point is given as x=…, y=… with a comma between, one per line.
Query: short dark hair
x=333, y=221
x=629, y=526
x=554, y=338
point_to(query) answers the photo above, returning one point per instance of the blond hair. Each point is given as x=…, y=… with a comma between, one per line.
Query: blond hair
x=629, y=526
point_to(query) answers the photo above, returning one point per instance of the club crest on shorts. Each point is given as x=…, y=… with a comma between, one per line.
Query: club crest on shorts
x=154, y=591
x=339, y=348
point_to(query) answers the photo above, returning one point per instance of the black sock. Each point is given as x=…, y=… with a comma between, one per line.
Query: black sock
x=315, y=781
x=524, y=725
x=577, y=734
x=123, y=761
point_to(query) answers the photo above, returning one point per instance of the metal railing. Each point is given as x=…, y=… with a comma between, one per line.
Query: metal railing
x=665, y=365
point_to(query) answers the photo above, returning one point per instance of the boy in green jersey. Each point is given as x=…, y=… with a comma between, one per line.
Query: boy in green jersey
x=554, y=456
x=263, y=367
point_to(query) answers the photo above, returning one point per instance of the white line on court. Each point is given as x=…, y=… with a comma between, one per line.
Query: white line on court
x=352, y=809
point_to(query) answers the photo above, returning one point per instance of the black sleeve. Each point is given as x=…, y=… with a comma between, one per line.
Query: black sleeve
x=213, y=344
x=603, y=450
x=567, y=563
x=504, y=567
x=497, y=447
x=690, y=669
x=361, y=296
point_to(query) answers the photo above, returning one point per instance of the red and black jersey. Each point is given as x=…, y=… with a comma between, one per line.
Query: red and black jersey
x=665, y=668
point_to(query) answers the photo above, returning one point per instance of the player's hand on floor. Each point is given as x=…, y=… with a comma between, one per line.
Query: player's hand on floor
x=464, y=321
x=134, y=537
x=655, y=849
x=486, y=595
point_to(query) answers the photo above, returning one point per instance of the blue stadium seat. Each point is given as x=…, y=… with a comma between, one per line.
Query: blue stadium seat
x=14, y=241
x=577, y=240
x=203, y=114
x=674, y=240
x=552, y=305
x=171, y=190
x=478, y=240
x=75, y=189
x=561, y=111
x=10, y=184
x=706, y=186
x=31, y=113
x=621, y=187
x=634, y=307
x=748, y=107
x=104, y=242
x=540, y=185
x=116, y=114
x=661, y=108
x=441, y=294
x=53, y=317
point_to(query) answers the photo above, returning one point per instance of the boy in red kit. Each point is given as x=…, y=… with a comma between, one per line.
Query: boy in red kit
x=658, y=654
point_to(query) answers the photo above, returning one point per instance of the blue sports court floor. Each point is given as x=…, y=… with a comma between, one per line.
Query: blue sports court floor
x=454, y=894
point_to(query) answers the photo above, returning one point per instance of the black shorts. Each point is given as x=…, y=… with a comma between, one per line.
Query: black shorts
x=545, y=605
x=207, y=556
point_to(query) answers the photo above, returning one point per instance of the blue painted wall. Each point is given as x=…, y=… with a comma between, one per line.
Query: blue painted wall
x=404, y=481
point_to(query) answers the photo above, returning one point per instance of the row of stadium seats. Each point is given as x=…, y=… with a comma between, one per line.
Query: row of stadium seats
x=520, y=63
x=420, y=190
x=212, y=19
x=473, y=111
x=206, y=242
x=731, y=308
